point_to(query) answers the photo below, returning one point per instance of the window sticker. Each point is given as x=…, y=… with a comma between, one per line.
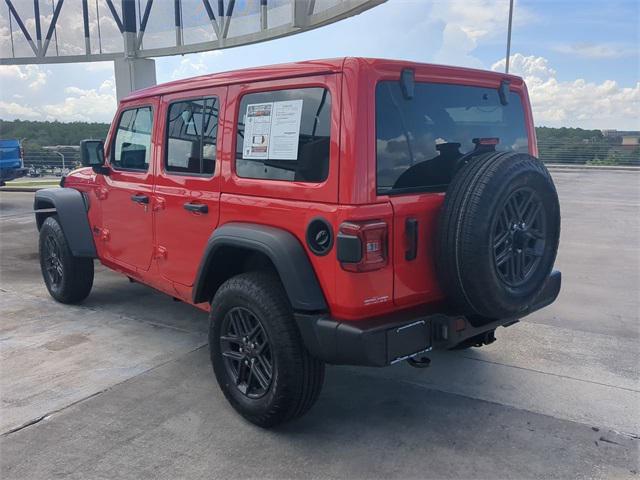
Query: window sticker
x=272, y=130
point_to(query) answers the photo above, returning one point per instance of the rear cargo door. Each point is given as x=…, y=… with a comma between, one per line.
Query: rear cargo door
x=415, y=223
x=420, y=144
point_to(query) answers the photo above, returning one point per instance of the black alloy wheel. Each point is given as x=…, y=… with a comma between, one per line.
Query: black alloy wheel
x=68, y=279
x=518, y=239
x=53, y=261
x=257, y=352
x=246, y=351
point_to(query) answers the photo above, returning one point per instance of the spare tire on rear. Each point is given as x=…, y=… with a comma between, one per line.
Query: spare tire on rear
x=498, y=235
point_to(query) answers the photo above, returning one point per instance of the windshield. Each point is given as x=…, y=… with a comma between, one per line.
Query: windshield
x=419, y=140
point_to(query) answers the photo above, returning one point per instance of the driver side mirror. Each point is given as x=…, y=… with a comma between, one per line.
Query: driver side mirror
x=92, y=155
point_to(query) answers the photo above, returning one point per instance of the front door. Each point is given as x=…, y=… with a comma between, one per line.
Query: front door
x=127, y=190
x=187, y=191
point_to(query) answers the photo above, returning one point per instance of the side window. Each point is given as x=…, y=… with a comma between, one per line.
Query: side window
x=132, y=144
x=284, y=135
x=192, y=129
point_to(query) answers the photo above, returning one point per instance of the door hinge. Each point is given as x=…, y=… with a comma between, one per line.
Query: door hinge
x=159, y=204
x=102, y=193
x=160, y=253
x=101, y=233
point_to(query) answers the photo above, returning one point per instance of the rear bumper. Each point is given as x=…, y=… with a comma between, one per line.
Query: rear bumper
x=390, y=339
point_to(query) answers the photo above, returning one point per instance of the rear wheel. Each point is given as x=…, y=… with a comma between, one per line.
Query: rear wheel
x=68, y=279
x=258, y=356
x=498, y=235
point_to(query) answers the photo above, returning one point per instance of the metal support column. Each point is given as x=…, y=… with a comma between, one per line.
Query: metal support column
x=36, y=18
x=132, y=73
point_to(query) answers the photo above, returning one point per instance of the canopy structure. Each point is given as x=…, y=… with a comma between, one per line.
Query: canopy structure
x=132, y=32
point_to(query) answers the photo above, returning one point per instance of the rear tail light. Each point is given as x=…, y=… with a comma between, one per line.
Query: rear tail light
x=362, y=246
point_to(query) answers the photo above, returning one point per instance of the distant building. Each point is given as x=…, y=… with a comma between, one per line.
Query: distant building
x=629, y=139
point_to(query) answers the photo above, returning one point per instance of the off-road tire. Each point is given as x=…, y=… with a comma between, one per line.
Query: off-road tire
x=475, y=201
x=74, y=278
x=297, y=377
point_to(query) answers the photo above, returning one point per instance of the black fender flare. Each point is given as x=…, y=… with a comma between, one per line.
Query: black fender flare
x=71, y=208
x=281, y=247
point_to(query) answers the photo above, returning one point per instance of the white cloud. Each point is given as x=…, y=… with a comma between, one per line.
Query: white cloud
x=480, y=18
x=33, y=75
x=95, y=67
x=597, y=50
x=15, y=110
x=93, y=104
x=456, y=49
x=196, y=64
x=467, y=23
x=89, y=105
x=527, y=67
x=576, y=103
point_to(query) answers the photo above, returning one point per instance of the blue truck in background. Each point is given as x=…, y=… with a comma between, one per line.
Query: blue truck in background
x=11, y=161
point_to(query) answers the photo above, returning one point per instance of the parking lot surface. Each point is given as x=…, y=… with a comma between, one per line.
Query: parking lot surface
x=121, y=386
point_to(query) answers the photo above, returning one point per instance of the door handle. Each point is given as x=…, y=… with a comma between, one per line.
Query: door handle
x=196, y=207
x=411, y=230
x=140, y=199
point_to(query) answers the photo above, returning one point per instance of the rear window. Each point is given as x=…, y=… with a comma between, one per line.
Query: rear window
x=419, y=140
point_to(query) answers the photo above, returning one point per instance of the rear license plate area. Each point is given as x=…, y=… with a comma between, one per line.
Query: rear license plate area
x=408, y=340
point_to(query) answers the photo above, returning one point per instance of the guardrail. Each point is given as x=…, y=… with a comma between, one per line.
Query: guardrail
x=50, y=162
x=559, y=152
x=555, y=152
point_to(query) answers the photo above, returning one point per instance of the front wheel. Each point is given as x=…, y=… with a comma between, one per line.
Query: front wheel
x=258, y=357
x=68, y=279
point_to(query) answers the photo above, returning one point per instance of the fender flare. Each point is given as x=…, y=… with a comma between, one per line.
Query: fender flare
x=71, y=208
x=281, y=247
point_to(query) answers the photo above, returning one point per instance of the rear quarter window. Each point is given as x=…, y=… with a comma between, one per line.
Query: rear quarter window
x=418, y=140
x=264, y=151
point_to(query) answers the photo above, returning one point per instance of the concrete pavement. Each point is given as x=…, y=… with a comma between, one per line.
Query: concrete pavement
x=121, y=386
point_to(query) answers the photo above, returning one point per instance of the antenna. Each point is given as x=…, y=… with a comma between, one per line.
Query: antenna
x=506, y=70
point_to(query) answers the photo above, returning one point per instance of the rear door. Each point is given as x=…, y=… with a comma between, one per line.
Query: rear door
x=187, y=191
x=419, y=142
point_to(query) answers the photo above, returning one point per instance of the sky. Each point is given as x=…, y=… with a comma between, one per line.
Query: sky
x=580, y=59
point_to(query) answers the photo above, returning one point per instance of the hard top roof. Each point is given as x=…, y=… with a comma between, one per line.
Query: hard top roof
x=297, y=69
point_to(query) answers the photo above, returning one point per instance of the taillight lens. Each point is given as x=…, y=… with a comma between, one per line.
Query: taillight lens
x=364, y=245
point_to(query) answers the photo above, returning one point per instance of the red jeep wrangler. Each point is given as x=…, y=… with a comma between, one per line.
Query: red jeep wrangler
x=350, y=211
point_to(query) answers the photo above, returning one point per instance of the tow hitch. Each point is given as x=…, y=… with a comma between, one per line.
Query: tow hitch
x=419, y=362
x=486, y=338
